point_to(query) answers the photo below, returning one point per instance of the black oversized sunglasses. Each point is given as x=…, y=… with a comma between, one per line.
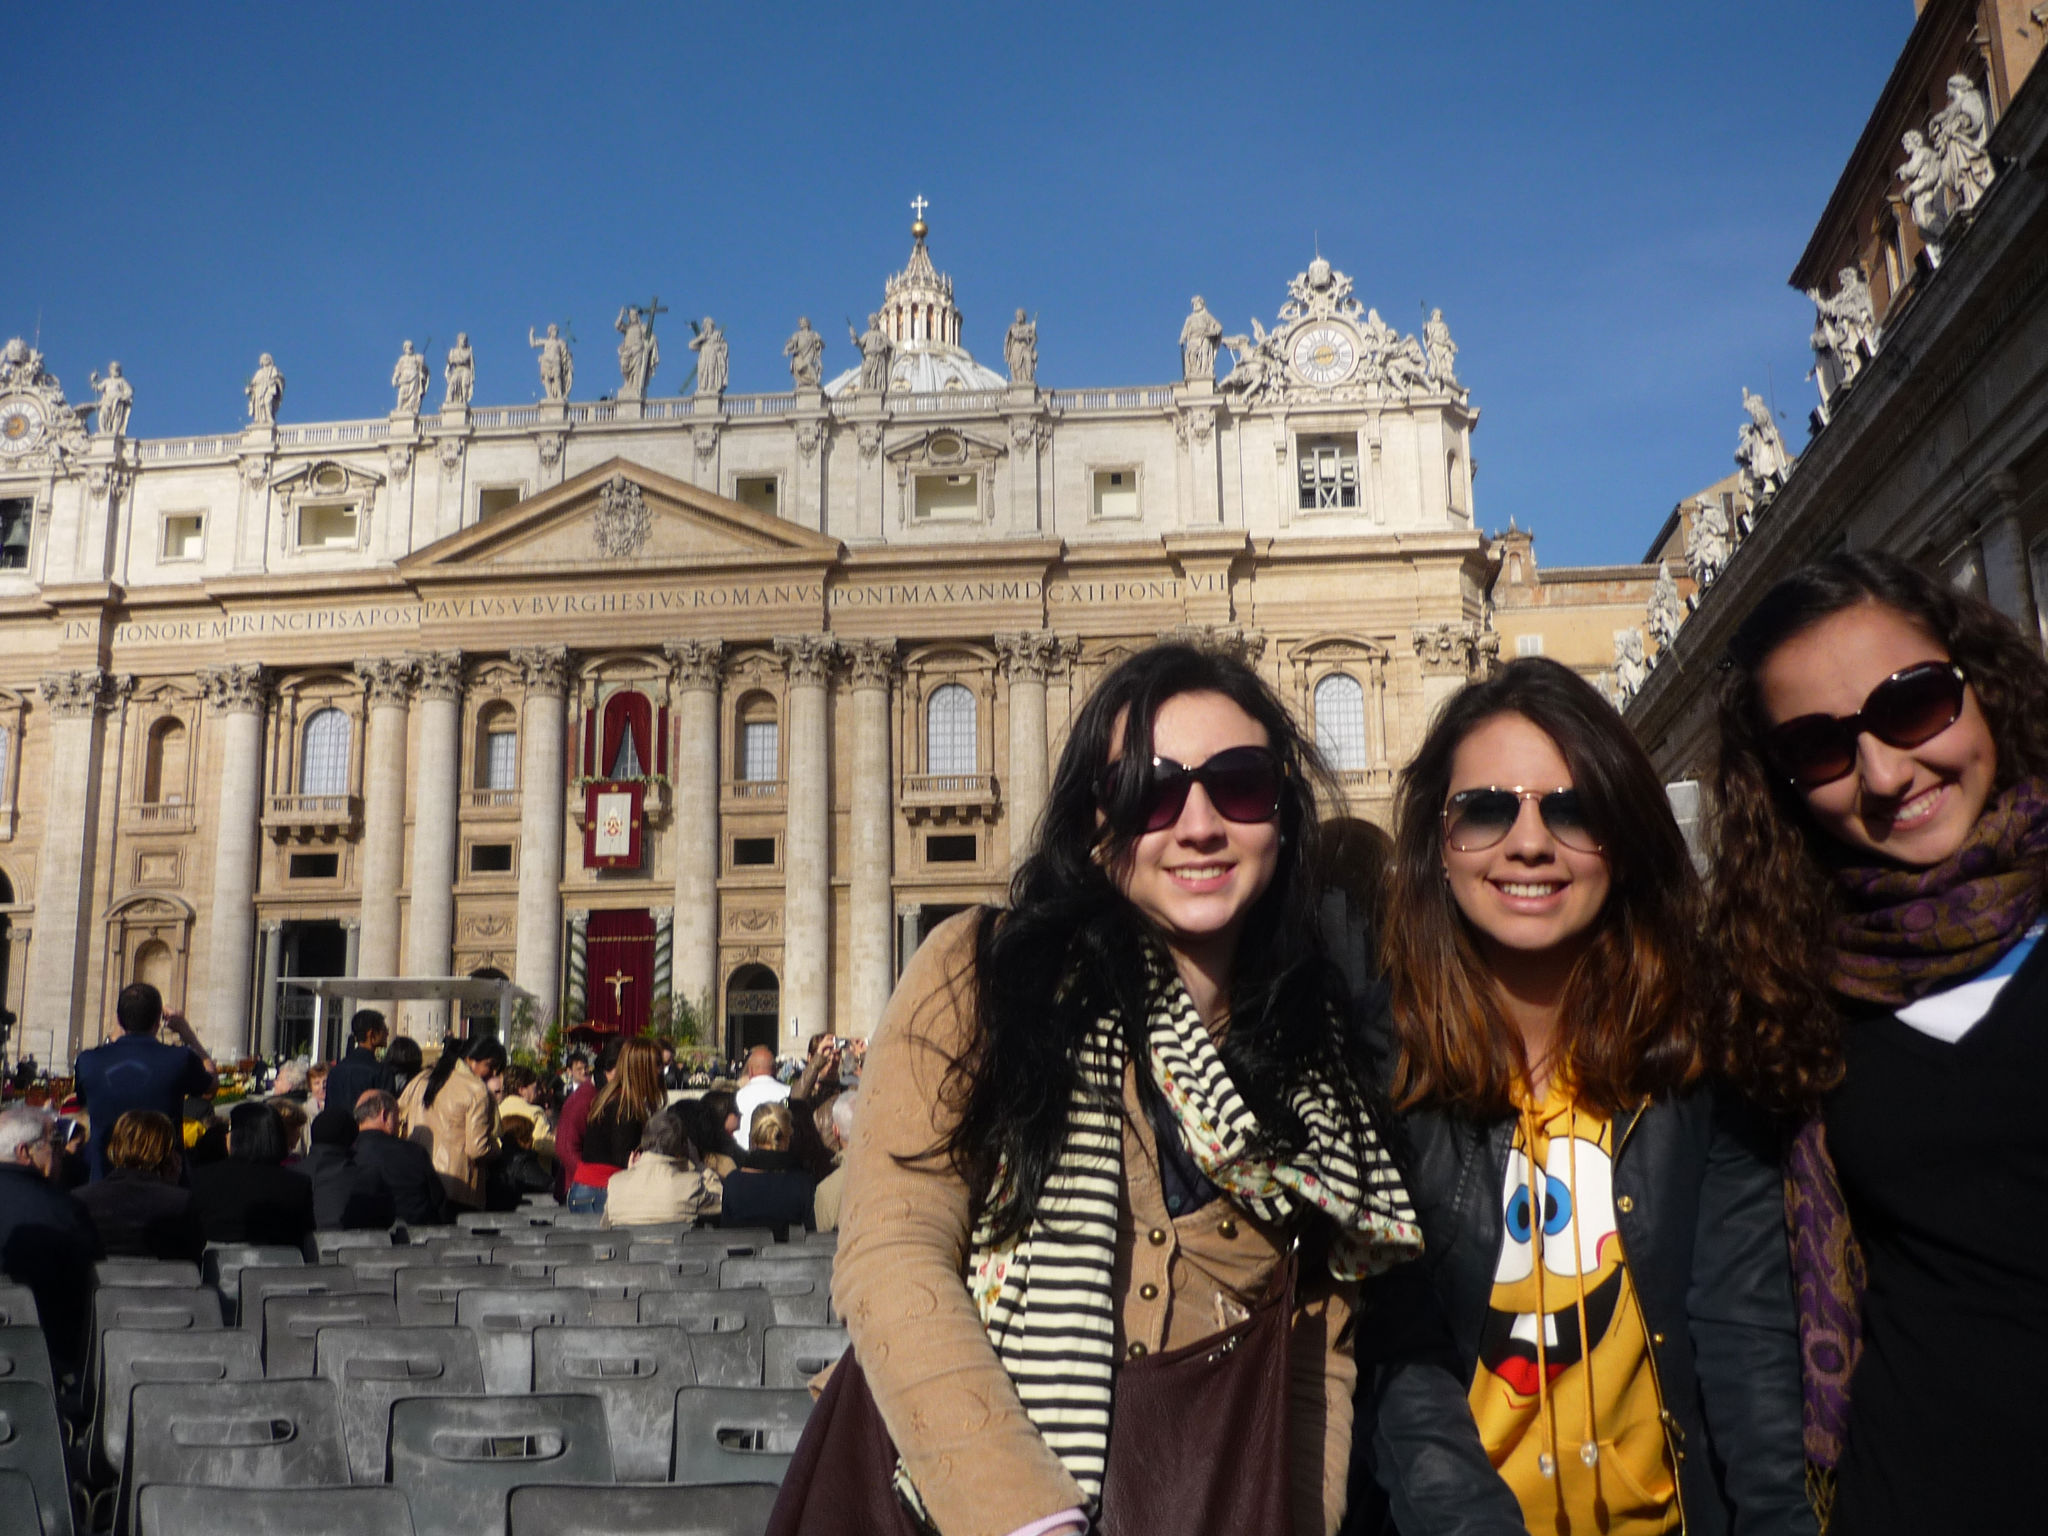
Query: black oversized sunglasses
x=1477, y=819
x=1907, y=708
x=1243, y=783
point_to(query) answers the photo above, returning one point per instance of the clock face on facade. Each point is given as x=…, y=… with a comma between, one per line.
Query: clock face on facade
x=21, y=424
x=1325, y=355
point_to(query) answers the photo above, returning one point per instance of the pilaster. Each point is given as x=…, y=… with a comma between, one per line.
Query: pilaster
x=807, y=901
x=436, y=835
x=537, y=965
x=697, y=671
x=237, y=695
x=870, y=943
x=388, y=681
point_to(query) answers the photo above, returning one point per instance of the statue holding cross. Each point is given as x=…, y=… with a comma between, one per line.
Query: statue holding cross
x=639, y=354
x=618, y=981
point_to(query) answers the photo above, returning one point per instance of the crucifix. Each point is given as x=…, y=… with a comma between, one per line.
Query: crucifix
x=653, y=309
x=918, y=204
x=617, y=981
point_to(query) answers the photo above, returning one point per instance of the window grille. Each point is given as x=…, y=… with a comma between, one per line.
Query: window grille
x=1340, y=722
x=323, y=768
x=758, y=750
x=949, y=731
x=501, y=760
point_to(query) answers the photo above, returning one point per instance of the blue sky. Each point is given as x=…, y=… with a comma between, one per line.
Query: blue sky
x=1604, y=199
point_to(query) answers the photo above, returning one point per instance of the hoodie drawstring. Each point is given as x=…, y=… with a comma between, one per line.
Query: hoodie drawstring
x=1589, y=1445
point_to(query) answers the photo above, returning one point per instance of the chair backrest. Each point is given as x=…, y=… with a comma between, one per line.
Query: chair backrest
x=260, y=1284
x=232, y=1434
x=687, y=1268
x=503, y=1319
x=734, y=1509
x=221, y=1266
x=339, y=1247
x=177, y=1511
x=374, y=1367
x=806, y=1275
x=561, y=1220
x=736, y=1434
x=32, y=1445
x=195, y=1309
x=25, y=1355
x=726, y=1330
x=546, y=1258
x=651, y=1231
x=635, y=1372
x=736, y=1241
x=180, y=1274
x=18, y=1307
x=459, y=1249
x=291, y=1324
x=18, y=1513
x=614, y=1287
x=456, y=1458
x=427, y=1292
x=130, y=1357
x=790, y=1357
x=377, y=1269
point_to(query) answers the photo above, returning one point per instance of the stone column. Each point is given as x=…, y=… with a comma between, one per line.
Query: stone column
x=870, y=943
x=389, y=681
x=542, y=808
x=1445, y=651
x=436, y=834
x=698, y=665
x=1027, y=659
x=266, y=1003
x=236, y=694
x=807, y=865
x=54, y=998
x=2007, y=586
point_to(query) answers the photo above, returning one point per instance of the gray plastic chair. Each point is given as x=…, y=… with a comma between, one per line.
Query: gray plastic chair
x=736, y=1241
x=18, y=1513
x=652, y=1231
x=734, y=1509
x=374, y=1367
x=561, y=1219
x=163, y=1308
x=614, y=1287
x=635, y=1372
x=18, y=1307
x=427, y=1292
x=546, y=1258
x=180, y=1274
x=790, y=1357
x=221, y=1266
x=456, y=1458
x=130, y=1357
x=460, y=1248
x=177, y=1511
x=290, y=1324
x=259, y=1284
x=503, y=1319
x=232, y=1434
x=32, y=1444
x=736, y=1434
x=25, y=1355
x=726, y=1330
x=806, y=1276
x=686, y=1268
x=339, y=1247
x=377, y=1269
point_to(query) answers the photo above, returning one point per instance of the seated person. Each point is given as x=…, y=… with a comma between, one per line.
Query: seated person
x=252, y=1197
x=345, y=1196
x=515, y=1170
x=771, y=1188
x=711, y=1121
x=141, y=1209
x=47, y=1242
x=406, y=1171
x=521, y=1102
x=663, y=1180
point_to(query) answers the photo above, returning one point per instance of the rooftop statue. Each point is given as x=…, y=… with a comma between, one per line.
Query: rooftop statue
x=1199, y=334
x=1958, y=133
x=460, y=372
x=1922, y=175
x=1251, y=366
x=1441, y=350
x=639, y=352
x=875, y=353
x=709, y=345
x=1667, y=610
x=805, y=350
x=1631, y=667
x=117, y=399
x=1706, y=542
x=1844, y=332
x=265, y=390
x=1760, y=452
x=409, y=378
x=1020, y=350
x=557, y=367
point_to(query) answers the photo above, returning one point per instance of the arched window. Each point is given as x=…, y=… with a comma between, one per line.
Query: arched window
x=1340, y=722
x=497, y=748
x=760, y=744
x=627, y=740
x=323, y=766
x=163, y=773
x=949, y=730
x=153, y=964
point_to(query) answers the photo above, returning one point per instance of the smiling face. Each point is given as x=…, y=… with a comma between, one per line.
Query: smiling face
x=1528, y=896
x=1198, y=879
x=1912, y=804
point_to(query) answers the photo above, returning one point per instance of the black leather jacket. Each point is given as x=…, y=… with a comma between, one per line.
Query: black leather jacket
x=1701, y=1212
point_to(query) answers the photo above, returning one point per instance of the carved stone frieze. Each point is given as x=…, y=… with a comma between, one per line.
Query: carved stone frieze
x=440, y=674
x=256, y=471
x=808, y=435
x=486, y=925
x=550, y=446
x=705, y=440
x=1448, y=649
x=869, y=438
x=1028, y=433
x=871, y=663
x=622, y=522
x=387, y=679
x=1245, y=645
x=108, y=482
x=78, y=695
x=239, y=688
x=451, y=451
x=398, y=457
x=542, y=668
x=1033, y=655
x=753, y=920
x=807, y=658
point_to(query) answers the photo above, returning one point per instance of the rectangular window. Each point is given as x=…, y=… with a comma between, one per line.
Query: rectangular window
x=327, y=525
x=1328, y=473
x=1116, y=495
x=493, y=499
x=184, y=535
x=16, y=523
x=501, y=760
x=948, y=498
x=758, y=751
x=761, y=492
x=753, y=853
x=1528, y=645
x=951, y=848
x=490, y=858
x=314, y=866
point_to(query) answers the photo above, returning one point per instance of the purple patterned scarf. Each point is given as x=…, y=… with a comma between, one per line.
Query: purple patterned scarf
x=1903, y=934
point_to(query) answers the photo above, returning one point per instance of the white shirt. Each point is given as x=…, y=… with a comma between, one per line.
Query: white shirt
x=753, y=1093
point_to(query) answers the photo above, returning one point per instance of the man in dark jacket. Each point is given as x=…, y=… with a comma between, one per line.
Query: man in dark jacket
x=359, y=1070
x=346, y=1196
x=47, y=1242
x=402, y=1168
x=138, y=1071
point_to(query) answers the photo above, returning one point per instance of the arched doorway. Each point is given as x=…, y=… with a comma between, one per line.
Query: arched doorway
x=753, y=1009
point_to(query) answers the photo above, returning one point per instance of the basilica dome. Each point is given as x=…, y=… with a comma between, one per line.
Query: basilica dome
x=922, y=323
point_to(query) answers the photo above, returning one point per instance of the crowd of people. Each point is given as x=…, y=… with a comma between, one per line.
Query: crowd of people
x=1629, y=1197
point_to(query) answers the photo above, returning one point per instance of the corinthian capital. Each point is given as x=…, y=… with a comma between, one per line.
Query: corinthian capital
x=237, y=689
x=78, y=695
x=440, y=674
x=696, y=664
x=1031, y=656
x=542, y=668
x=807, y=658
x=1445, y=649
x=388, y=679
x=871, y=662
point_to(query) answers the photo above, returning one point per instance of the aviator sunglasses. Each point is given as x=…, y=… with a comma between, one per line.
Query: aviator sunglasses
x=1243, y=783
x=1476, y=819
x=1907, y=708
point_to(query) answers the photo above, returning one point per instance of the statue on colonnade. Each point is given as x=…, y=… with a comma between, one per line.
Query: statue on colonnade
x=117, y=399
x=805, y=350
x=712, y=368
x=265, y=390
x=460, y=372
x=1020, y=350
x=639, y=352
x=557, y=366
x=1199, y=335
x=409, y=378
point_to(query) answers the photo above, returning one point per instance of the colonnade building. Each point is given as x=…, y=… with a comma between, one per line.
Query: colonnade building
x=718, y=697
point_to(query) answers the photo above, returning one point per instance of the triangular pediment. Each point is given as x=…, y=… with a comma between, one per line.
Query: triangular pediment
x=619, y=515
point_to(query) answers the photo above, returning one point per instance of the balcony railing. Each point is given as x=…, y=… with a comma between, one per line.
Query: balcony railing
x=490, y=799
x=949, y=796
x=305, y=817
x=754, y=789
x=162, y=816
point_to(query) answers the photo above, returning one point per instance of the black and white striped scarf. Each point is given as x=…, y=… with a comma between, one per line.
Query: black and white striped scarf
x=1048, y=1299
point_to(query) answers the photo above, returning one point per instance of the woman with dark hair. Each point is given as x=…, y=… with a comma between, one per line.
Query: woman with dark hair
x=617, y=1116
x=1600, y=1336
x=140, y=1208
x=251, y=1197
x=707, y=1120
x=1879, y=889
x=1098, y=1124
x=406, y=1061
x=451, y=1113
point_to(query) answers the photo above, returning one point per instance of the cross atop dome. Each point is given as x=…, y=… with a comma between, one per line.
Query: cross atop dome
x=918, y=204
x=922, y=322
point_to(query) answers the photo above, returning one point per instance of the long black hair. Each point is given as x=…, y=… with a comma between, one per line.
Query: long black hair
x=1069, y=948
x=484, y=1054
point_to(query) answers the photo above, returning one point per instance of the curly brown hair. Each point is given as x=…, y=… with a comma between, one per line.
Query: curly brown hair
x=1777, y=1031
x=1628, y=1022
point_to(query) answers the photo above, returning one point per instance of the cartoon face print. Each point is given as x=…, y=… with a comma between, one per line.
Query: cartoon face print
x=1575, y=1233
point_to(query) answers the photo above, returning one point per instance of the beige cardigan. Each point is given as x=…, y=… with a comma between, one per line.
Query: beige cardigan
x=460, y=1130
x=980, y=1466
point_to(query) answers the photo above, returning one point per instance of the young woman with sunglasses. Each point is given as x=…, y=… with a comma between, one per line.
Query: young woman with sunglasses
x=1599, y=1337
x=1879, y=888
x=1095, y=1125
